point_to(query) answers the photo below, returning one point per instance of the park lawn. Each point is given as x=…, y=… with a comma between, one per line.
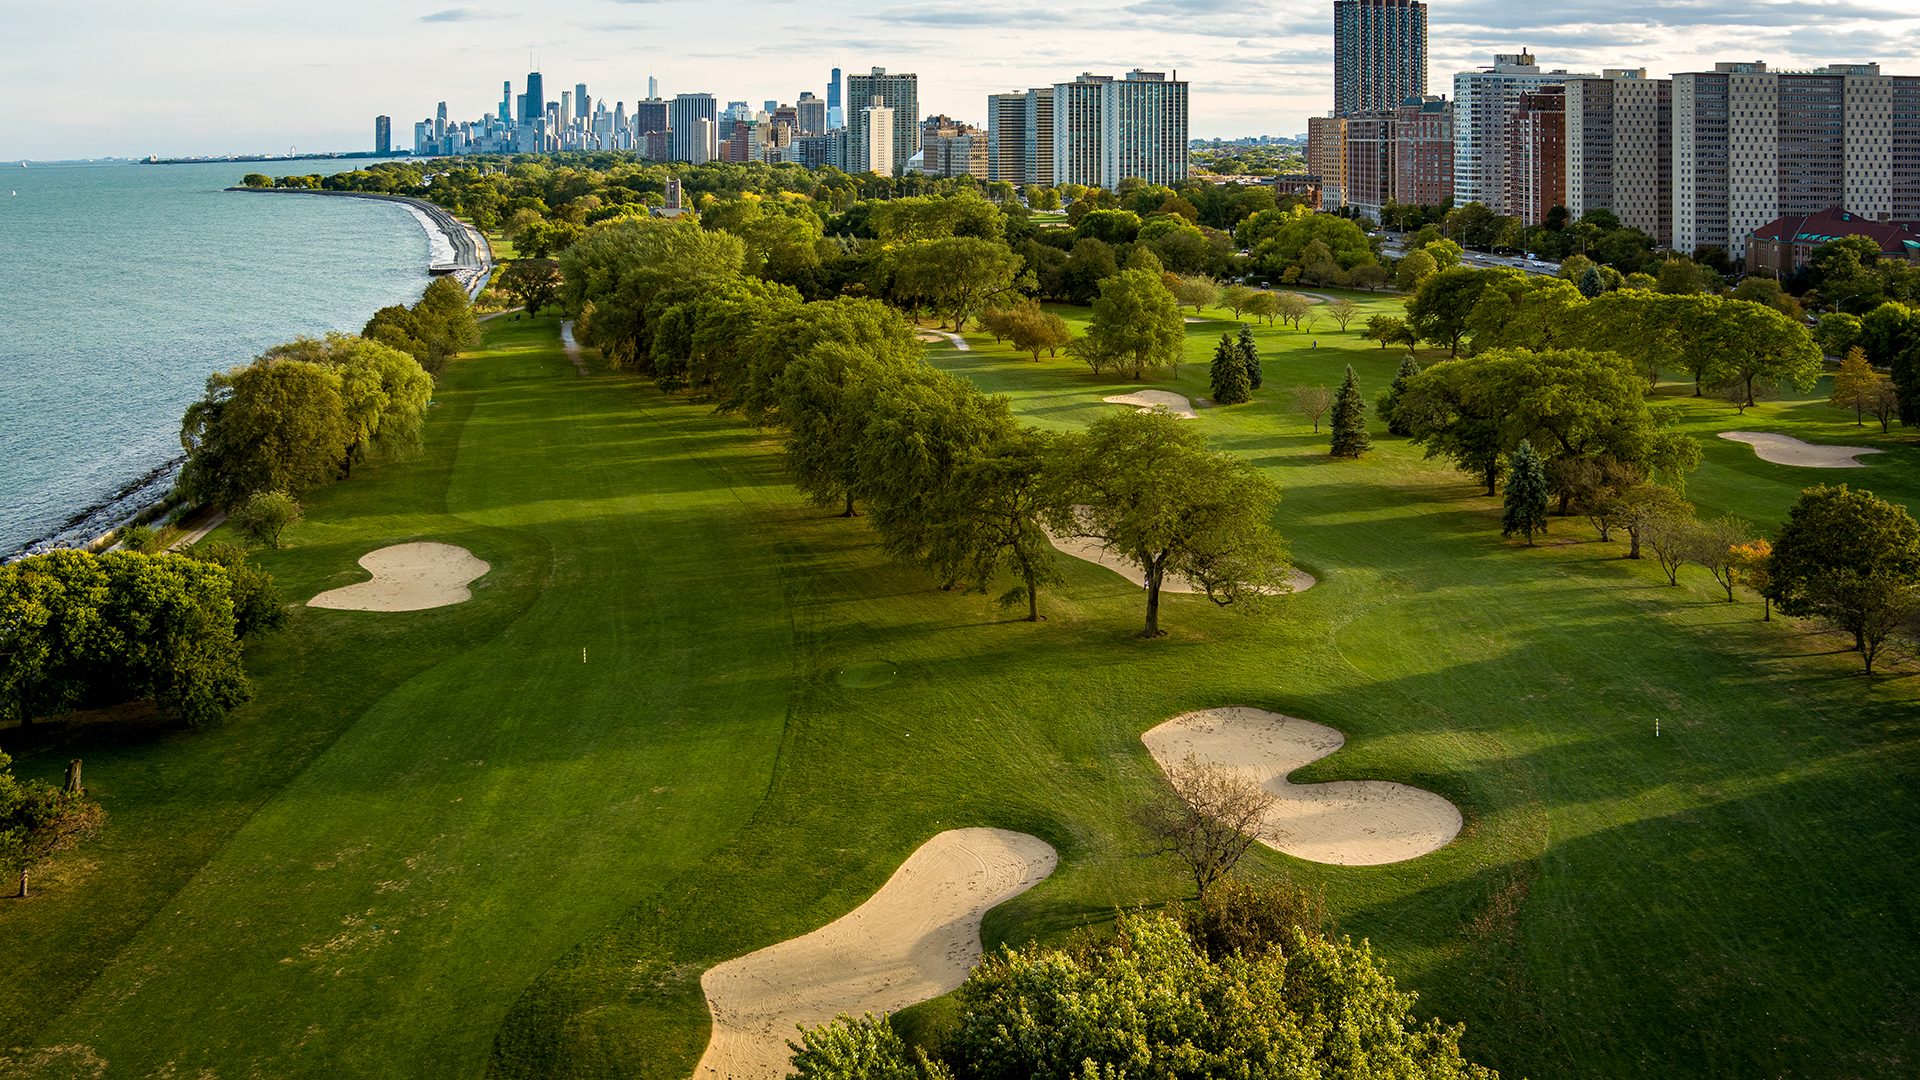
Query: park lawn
x=1704, y=903
x=1728, y=899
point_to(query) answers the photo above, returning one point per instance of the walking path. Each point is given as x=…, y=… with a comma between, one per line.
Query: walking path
x=189, y=539
x=573, y=347
x=954, y=339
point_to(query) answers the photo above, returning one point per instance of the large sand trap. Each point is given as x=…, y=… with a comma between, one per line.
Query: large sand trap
x=915, y=939
x=408, y=577
x=1346, y=822
x=1787, y=450
x=1094, y=550
x=1149, y=400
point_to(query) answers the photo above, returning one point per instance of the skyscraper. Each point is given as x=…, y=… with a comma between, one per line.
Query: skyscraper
x=648, y=116
x=1484, y=105
x=1039, y=119
x=901, y=93
x=440, y=121
x=535, y=105
x=810, y=114
x=506, y=102
x=876, y=132
x=653, y=87
x=383, y=134
x=1007, y=137
x=691, y=140
x=1379, y=54
x=583, y=105
x=836, y=117
x=1078, y=154
x=1145, y=114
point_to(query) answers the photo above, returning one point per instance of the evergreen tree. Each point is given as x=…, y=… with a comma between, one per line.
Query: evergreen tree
x=1527, y=496
x=1389, y=404
x=1249, y=356
x=1229, y=374
x=1591, y=283
x=1350, y=419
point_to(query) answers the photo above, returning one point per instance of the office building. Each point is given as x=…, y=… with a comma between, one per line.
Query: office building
x=1379, y=54
x=383, y=134
x=899, y=93
x=1423, y=151
x=649, y=116
x=836, y=117
x=506, y=102
x=1484, y=105
x=533, y=107
x=1753, y=145
x=689, y=141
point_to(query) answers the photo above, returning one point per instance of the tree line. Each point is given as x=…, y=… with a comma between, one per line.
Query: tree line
x=947, y=478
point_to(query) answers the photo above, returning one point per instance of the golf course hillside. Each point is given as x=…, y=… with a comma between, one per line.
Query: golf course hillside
x=588, y=726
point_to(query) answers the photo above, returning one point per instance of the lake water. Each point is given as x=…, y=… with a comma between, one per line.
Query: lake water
x=125, y=285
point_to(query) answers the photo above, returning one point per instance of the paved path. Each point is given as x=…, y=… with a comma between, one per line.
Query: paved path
x=573, y=347
x=954, y=339
x=191, y=538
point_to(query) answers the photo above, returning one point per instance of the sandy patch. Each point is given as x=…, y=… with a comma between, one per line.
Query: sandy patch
x=572, y=347
x=408, y=577
x=1149, y=400
x=1094, y=550
x=959, y=343
x=1346, y=822
x=1787, y=450
x=915, y=939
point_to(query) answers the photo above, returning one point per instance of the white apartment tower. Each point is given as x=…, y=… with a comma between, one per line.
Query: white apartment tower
x=875, y=132
x=1107, y=129
x=1484, y=104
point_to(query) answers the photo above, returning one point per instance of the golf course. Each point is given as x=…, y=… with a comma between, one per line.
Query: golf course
x=685, y=716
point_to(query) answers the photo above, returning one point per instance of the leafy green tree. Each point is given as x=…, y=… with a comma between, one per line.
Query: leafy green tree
x=1388, y=330
x=274, y=425
x=256, y=603
x=1591, y=283
x=267, y=514
x=1228, y=374
x=1151, y=490
x=959, y=274
x=863, y=1049
x=1089, y=263
x=1234, y=297
x=1415, y=268
x=1674, y=538
x=1836, y=333
x=1854, y=385
x=1034, y=329
x=383, y=393
x=533, y=283
x=1136, y=327
x=1264, y=305
x=930, y=217
x=1197, y=289
x=1761, y=348
x=1525, y=506
x=446, y=315
x=616, y=276
x=750, y=384
x=1844, y=556
x=1250, y=358
x=397, y=328
x=1529, y=312
x=1644, y=508
x=990, y=520
x=1389, y=404
x=1280, y=239
x=1294, y=307
x=1350, y=438
x=1442, y=310
x=1718, y=547
x=1108, y=226
x=1151, y=1004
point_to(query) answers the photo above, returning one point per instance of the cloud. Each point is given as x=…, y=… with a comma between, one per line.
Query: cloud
x=466, y=15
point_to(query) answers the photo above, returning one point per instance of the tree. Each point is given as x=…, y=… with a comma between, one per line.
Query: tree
x=1751, y=561
x=1150, y=489
x=1136, y=326
x=274, y=425
x=1885, y=402
x=1855, y=385
x=1388, y=330
x=1234, y=298
x=1440, y=312
x=1674, y=538
x=1312, y=402
x=959, y=274
x=1342, y=310
x=1525, y=507
x=1088, y=264
x=1350, y=438
x=1229, y=373
x=1199, y=290
x=38, y=819
x=863, y=1049
x=1149, y=1003
x=533, y=283
x=267, y=514
x=1870, y=604
x=256, y=604
x=1294, y=307
x=1264, y=305
x=1644, y=508
x=1207, y=816
x=1759, y=347
x=1417, y=267
x=989, y=519
x=1033, y=329
x=1717, y=546
x=1844, y=556
x=827, y=397
x=1591, y=284
x=1389, y=404
x=1249, y=358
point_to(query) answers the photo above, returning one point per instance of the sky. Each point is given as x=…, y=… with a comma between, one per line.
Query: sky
x=186, y=77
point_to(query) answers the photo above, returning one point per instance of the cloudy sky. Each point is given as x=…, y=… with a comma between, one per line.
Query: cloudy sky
x=216, y=76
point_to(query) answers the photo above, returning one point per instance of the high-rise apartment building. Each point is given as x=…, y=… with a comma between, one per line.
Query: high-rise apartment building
x=1327, y=158
x=1078, y=127
x=1620, y=147
x=810, y=114
x=950, y=148
x=874, y=138
x=1752, y=145
x=649, y=116
x=688, y=140
x=383, y=134
x=1484, y=105
x=1367, y=174
x=1007, y=137
x=1146, y=128
x=900, y=92
x=1039, y=132
x=1379, y=54
x=1422, y=151
x=1537, y=154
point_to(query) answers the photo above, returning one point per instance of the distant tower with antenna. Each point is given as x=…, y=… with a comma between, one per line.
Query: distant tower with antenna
x=836, y=116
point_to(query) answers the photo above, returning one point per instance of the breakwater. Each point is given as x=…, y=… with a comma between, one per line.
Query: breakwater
x=469, y=256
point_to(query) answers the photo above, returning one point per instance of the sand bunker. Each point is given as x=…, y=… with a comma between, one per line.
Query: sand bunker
x=1149, y=400
x=408, y=577
x=1346, y=822
x=1787, y=450
x=915, y=939
x=1094, y=550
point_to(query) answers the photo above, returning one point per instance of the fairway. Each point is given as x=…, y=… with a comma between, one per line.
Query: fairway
x=451, y=843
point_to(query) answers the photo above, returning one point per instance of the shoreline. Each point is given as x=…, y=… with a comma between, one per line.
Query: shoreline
x=472, y=262
x=472, y=266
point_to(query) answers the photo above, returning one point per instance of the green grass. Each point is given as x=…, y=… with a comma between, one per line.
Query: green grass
x=1729, y=899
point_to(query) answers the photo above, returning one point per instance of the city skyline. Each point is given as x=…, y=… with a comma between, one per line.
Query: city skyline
x=263, y=81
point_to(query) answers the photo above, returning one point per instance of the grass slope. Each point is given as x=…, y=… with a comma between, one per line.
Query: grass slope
x=1731, y=898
